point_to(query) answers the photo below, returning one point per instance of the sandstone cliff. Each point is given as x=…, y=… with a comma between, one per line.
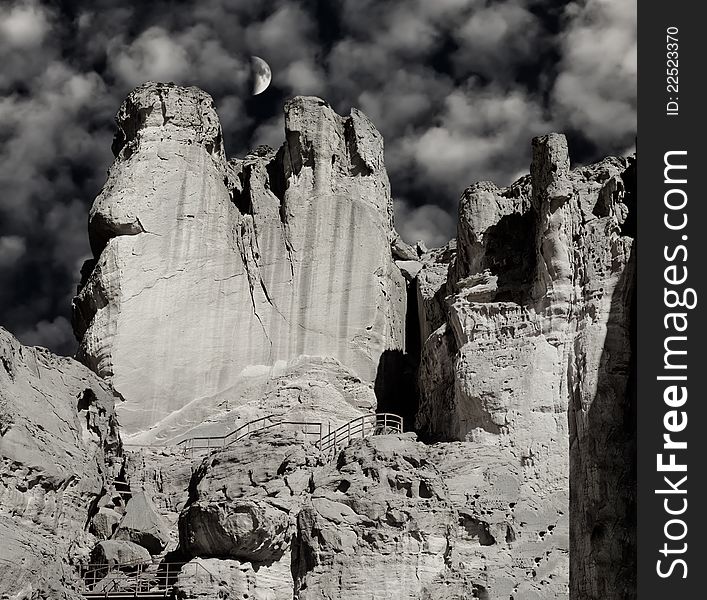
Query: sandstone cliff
x=206, y=268
x=530, y=348
x=222, y=291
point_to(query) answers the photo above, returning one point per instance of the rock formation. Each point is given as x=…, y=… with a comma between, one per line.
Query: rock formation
x=142, y=524
x=205, y=268
x=530, y=347
x=223, y=291
x=58, y=446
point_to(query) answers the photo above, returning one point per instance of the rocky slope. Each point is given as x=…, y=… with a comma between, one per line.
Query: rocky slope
x=58, y=447
x=223, y=291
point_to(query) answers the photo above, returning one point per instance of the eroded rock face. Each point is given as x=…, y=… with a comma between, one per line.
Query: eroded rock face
x=211, y=578
x=142, y=524
x=58, y=446
x=388, y=518
x=244, y=506
x=119, y=552
x=223, y=291
x=204, y=268
x=534, y=352
x=393, y=518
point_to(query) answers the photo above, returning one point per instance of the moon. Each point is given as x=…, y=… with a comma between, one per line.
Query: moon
x=260, y=75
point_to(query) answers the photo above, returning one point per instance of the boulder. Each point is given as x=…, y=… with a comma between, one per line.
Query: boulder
x=245, y=499
x=104, y=523
x=142, y=525
x=119, y=552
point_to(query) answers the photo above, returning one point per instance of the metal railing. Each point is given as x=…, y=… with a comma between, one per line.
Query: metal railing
x=360, y=427
x=218, y=442
x=109, y=580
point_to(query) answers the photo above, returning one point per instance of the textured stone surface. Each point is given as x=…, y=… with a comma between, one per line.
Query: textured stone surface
x=388, y=518
x=392, y=518
x=431, y=287
x=536, y=337
x=205, y=268
x=225, y=291
x=213, y=578
x=314, y=389
x=104, y=523
x=142, y=524
x=262, y=475
x=119, y=552
x=58, y=440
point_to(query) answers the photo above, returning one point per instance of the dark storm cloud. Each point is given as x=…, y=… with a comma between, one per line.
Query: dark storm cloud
x=457, y=87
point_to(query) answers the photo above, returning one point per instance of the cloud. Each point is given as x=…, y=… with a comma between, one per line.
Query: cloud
x=497, y=39
x=483, y=134
x=154, y=55
x=23, y=25
x=12, y=248
x=270, y=133
x=595, y=91
x=456, y=87
x=429, y=223
x=191, y=56
x=56, y=335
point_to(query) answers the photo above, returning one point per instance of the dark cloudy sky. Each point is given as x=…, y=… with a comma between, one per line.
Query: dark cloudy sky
x=457, y=87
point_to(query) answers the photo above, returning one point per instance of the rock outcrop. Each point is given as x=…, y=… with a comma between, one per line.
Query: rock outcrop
x=534, y=351
x=142, y=525
x=387, y=518
x=58, y=445
x=243, y=509
x=205, y=268
x=394, y=518
x=224, y=291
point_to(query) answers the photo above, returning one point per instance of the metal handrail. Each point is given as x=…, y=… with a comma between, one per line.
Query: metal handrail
x=218, y=442
x=154, y=578
x=371, y=424
x=379, y=423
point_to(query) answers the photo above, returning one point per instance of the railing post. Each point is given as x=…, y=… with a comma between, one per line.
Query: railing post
x=348, y=432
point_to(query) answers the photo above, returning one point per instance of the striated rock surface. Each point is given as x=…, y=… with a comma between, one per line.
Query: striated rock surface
x=534, y=352
x=58, y=446
x=204, y=268
x=142, y=525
